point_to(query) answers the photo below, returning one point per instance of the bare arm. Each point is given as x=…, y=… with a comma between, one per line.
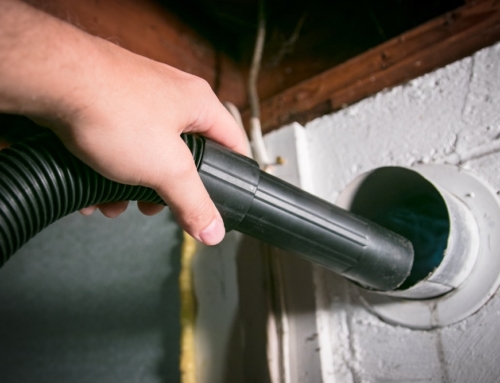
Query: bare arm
x=120, y=113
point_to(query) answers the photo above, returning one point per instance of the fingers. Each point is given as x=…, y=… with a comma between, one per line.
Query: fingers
x=110, y=209
x=186, y=196
x=148, y=208
x=113, y=209
x=88, y=210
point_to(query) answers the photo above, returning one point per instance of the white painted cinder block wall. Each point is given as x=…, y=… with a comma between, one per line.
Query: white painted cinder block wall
x=453, y=114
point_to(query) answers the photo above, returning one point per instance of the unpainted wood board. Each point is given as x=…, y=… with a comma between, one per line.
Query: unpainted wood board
x=432, y=45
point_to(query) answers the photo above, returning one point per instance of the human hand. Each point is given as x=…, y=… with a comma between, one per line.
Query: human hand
x=123, y=114
x=127, y=126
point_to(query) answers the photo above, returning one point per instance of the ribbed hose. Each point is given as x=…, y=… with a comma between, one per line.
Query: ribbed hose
x=41, y=182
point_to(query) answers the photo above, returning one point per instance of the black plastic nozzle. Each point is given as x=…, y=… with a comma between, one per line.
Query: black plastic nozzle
x=265, y=207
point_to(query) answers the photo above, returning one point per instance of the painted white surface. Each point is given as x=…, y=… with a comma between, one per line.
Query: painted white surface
x=225, y=342
x=216, y=285
x=290, y=143
x=297, y=334
x=451, y=115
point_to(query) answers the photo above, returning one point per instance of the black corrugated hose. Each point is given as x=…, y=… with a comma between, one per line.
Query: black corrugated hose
x=41, y=182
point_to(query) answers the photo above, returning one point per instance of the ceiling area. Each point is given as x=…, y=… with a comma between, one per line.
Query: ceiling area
x=303, y=38
x=319, y=55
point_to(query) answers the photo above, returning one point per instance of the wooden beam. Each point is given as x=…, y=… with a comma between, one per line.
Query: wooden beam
x=148, y=29
x=432, y=45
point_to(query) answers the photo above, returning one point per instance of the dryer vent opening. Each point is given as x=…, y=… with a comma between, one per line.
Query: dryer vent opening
x=437, y=207
x=406, y=203
x=440, y=226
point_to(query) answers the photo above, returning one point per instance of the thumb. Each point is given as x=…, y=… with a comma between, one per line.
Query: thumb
x=181, y=188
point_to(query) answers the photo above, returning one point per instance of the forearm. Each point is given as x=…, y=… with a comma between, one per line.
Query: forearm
x=45, y=63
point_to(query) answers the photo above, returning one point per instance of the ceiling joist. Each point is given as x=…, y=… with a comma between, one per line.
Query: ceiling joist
x=434, y=44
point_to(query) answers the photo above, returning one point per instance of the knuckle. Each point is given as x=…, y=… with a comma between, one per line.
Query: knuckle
x=199, y=216
x=201, y=86
x=183, y=170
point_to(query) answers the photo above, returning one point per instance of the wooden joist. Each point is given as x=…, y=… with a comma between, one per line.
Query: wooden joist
x=434, y=44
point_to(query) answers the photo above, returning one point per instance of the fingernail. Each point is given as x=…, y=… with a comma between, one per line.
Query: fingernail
x=213, y=233
x=88, y=210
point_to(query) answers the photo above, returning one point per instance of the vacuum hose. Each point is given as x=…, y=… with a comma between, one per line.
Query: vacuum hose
x=41, y=182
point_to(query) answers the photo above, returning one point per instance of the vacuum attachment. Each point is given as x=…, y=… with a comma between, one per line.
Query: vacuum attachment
x=40, y=182
x=271, y=210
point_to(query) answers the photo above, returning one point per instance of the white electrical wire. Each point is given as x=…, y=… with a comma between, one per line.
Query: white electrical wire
x=233, y=110
x=257, y=142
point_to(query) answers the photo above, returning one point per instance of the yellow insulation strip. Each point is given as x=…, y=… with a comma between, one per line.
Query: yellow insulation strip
x=188, y=311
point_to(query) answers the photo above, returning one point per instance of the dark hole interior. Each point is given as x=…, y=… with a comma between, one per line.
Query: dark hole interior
x=406, y=203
